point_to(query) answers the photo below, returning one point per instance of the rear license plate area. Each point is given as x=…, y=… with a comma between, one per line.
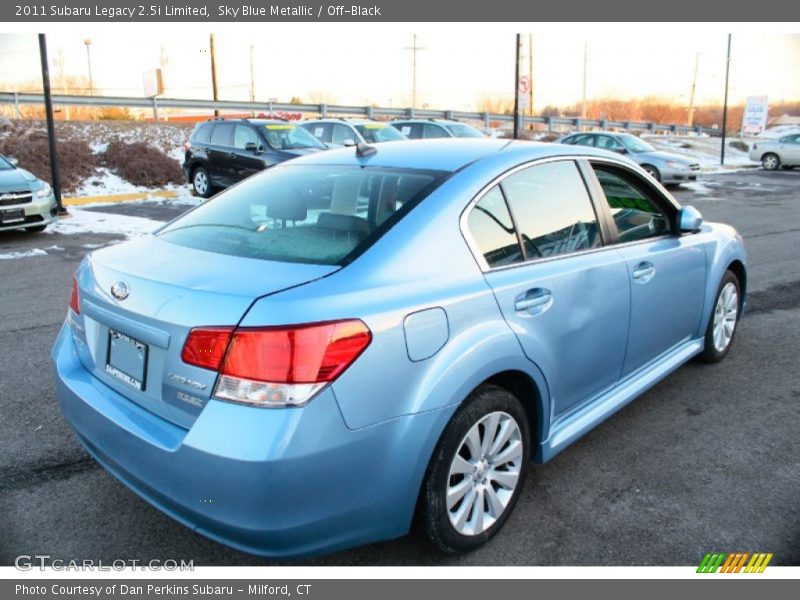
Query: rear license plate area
x=14, y=215
x=127, y=359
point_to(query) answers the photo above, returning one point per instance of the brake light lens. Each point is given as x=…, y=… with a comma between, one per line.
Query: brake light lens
x=205, y=347
x=276, y=366
x=74, y=301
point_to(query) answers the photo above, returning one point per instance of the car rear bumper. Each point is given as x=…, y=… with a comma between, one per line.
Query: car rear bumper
x=274, y=482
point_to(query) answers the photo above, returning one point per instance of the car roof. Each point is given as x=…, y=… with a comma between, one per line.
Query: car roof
x=439, y=121
x=341, y=121
x=446, y=154
x=608, y=133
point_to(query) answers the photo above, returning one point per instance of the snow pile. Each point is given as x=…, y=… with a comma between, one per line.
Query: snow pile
x=703, y=150
x=32, y=252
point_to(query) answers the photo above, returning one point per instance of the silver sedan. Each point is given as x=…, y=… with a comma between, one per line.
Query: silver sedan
x=783, y=152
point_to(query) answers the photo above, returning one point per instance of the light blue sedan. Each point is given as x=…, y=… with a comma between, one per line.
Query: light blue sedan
x=361, y=337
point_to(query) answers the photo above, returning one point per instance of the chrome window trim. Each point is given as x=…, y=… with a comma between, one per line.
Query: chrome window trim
x=478, y=255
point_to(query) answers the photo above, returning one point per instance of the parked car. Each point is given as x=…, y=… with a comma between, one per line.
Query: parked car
x=337, y=133
x=26, y=202
x=292, y=380
x=666, y=167
x=783, y=152
x=416, y=129
x=221, y=152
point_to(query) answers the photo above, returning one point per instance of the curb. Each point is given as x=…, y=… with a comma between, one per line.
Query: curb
x=77, y=201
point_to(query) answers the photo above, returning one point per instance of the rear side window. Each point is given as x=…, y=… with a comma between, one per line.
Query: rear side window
x=203, y=133
x=636, y=216
x=552, y=209
x=493, y=231
x=343, y=134
x=411, y=130
x=222, y=135
x=434, y=131
x=581, y=140
x=304, y=214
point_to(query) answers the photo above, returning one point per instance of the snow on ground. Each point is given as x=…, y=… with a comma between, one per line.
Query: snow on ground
x=87, y=221
x=32, y=252
x=105, y=181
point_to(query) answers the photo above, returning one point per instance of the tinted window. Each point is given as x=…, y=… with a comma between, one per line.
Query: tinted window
x=434, y=131
x=222, y=135
x=464, y=131
x=244, y=135
x=411, y=130
x=321, y=131
x=203, y=133
x=637, y=217
x=581, y=140
x=306, y=214
x=493, y=231
x=552, y=209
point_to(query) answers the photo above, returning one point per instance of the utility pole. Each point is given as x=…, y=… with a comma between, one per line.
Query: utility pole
x=59, y=62
x=585, y=75
x=51, y=127
x=516, y=87
x=414, y=49
x=88, y=44
x=252, y=79
x=530, y=76
x=213, y=72
x=694, y=86
x=725, y=103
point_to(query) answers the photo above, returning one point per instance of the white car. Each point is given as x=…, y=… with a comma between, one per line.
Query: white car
x=783, y=152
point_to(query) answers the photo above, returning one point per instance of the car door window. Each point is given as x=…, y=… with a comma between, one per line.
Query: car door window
x=203, y=133
x=492, y=229
x=244, y=135
x=636, y=215
x=222, y=135
x=434, y=131
x=342, y=134
x=606, y=142
x=552, y=209
x=582, y=140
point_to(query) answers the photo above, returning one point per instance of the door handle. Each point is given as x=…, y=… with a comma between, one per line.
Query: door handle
x=644, y=272
x=536, y=300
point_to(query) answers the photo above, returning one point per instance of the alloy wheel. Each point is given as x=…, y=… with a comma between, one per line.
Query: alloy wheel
x=200, y=182
x=725, y=314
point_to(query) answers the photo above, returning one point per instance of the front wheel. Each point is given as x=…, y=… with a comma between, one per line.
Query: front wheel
x=477, y=471
x=652, y=171
x=722, y=325
x=770, y=162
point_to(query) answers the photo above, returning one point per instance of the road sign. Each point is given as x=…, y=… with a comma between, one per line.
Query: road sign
x=523, y=92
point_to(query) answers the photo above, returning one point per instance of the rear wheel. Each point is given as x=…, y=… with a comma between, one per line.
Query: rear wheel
x=722, y=325
x=770, y=161
x=477, y=471
x=201, y=183
x=652, y=171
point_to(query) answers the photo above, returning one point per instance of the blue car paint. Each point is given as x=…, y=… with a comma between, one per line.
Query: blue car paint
x=290, y=482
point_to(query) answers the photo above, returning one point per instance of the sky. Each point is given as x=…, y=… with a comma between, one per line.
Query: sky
x=458, y=68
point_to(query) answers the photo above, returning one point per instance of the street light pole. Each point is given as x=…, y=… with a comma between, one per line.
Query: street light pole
x=51, y=128
x=213, y=72
x=88, y=44
x=414, y=49
x=516, y=88
x=694, y=86
x=725, y=102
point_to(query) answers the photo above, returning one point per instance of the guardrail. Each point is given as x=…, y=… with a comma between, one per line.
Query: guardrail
x=327, y=110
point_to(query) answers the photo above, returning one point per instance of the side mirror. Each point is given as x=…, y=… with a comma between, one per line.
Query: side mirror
x=251, y=147
x=12, y=161
x=689, y=219
x=621, y=150
x=349, y=142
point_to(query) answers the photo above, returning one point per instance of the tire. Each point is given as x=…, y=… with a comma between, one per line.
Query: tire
x=653, y=172
x=201, y=184
x=453, y=467
x=770, y=161
x=726, y=312
x=36, y=229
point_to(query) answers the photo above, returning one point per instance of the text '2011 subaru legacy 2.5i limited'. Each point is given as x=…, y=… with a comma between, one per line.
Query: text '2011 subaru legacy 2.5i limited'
x=358, y=338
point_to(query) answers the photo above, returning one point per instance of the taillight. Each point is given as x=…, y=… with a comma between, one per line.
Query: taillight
x=187, y=145
x=276, y=366
x=205, y=347
x=74, y=302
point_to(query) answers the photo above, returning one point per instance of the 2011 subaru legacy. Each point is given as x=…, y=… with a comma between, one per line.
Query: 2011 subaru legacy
x=361, y=337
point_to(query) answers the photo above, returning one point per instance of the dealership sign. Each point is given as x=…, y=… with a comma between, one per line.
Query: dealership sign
x=754, y=120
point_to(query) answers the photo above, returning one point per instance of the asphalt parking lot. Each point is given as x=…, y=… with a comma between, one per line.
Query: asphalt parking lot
x=707, y=460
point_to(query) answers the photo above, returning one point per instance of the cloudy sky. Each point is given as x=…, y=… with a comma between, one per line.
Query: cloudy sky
x=460, y=65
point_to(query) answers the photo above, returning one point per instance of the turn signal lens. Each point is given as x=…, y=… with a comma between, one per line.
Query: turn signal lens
x=74, y=302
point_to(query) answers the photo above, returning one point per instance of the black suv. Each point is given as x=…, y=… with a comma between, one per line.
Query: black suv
x=221, y=152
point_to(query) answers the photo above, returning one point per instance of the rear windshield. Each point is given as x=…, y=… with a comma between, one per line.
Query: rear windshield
x=314, y=214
